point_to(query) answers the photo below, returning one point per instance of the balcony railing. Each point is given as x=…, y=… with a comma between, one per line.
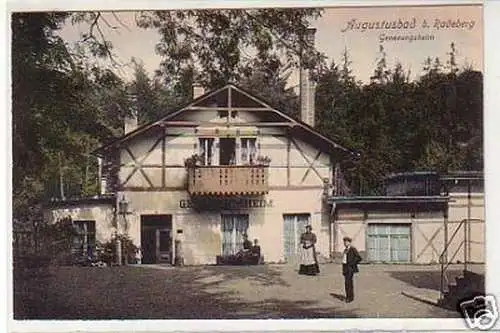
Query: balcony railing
x=228, y=180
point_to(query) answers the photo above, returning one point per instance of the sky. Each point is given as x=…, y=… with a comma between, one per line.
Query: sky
x=408, y=34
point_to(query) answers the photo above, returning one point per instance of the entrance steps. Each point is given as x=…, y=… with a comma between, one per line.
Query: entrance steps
x=465, y=287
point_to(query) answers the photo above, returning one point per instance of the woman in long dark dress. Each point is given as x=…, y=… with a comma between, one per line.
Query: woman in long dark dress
x=309, y=263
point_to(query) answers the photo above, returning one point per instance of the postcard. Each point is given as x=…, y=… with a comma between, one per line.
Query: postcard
x=297, y=165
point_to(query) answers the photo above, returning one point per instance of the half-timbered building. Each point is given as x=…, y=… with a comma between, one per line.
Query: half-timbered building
x=224, y=165
x=229, y=164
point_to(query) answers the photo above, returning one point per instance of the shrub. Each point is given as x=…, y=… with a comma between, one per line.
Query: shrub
x=108, y=250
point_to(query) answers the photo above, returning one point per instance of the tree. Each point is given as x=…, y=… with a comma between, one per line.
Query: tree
x=221, y=43
x=153, y=100
x=381, y=73
x=269, y=80
x=56, y=120
x=143, y=90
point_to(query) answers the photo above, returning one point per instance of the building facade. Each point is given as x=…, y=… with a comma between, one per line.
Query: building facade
x=422, y=218
x=228, y=164
x=225, y=165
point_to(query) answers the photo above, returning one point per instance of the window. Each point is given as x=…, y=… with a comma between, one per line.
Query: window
x=389, y=242
x=248, y=150
x=84, y=242
x=206, y=150
x=233, y=228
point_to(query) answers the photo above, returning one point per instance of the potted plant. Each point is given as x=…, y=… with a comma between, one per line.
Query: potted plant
x=263, y=160
x=192, y=161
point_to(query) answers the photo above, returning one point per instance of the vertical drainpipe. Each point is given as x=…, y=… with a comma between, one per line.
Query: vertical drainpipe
x=469, y=206
x=99, y=175
x=333, y=212
x=445, y=221
x=333, y=234
x=117, y=233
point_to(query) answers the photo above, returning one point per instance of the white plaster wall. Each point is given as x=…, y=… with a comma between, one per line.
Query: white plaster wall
x=427, y=232
x=351, y=224
x=458, y=211
x=102, y=214
x=458, y=206
x=178, y=148
x=202, y=230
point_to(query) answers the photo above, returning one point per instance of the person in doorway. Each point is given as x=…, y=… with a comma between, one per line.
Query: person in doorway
x=309, y=263
x=350, y=261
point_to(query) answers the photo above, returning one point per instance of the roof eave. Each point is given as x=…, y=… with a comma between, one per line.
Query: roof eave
x=99, y=152
x=388, y=199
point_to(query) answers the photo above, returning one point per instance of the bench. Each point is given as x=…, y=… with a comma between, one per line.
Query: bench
x=239, y=261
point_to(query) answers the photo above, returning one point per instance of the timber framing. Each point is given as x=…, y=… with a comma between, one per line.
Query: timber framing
x=138, y=164
x=302, y=128
x=309, y=162
x=181, y=123
x=183, y=188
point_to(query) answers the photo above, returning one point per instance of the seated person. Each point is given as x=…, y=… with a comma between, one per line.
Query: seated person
x=247, y=247
x=255, y=251
x=255, y=256
x=247, y=244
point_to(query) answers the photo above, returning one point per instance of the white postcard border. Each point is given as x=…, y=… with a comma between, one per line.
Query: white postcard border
x=492, y=179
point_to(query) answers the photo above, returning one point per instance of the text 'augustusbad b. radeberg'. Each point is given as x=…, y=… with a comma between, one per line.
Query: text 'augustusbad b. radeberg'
x=414, y=30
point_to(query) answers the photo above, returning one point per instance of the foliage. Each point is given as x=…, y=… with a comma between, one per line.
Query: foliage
x=263, y=160
x=222, y=43
x=153, y=100
x=128, y=248
x=55, y=120
x=64, y=106
x=268, y=80
x=58, y=240
x=45, y=243
x=193, y=161
x=432, y=123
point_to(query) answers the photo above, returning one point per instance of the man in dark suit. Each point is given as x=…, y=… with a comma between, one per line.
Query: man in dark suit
x=350, y=261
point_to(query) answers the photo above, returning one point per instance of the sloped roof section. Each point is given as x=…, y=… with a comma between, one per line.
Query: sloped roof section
x=232, y=97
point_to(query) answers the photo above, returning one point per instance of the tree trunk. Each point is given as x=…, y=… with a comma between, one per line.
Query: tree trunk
x=86, y=178
x=61, y=178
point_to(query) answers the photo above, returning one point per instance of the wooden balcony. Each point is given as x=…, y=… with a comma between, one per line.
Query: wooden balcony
x=228, y=180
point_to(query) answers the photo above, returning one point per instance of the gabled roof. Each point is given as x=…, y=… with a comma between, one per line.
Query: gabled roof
x=235, y=97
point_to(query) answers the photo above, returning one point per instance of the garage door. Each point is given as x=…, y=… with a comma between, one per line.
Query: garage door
x=388, y=242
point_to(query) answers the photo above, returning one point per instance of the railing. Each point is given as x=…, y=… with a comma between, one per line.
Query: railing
x=445, y=262
x=228, y=180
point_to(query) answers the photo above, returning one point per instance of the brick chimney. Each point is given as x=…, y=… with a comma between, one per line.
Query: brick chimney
x=198, y=90
x=307, y=86
x=131, y=122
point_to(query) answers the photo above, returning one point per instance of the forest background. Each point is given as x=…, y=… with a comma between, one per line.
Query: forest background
x=65, y=104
